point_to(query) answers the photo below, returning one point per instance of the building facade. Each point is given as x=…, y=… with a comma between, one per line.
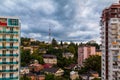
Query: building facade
x=84, y=52
x=110, y=39
x=74, y=75
x=49, y=59
x=68, y=55
x=99, y=52
x=9, y=48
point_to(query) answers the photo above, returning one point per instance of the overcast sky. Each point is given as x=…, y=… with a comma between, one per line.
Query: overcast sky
x=68, y=19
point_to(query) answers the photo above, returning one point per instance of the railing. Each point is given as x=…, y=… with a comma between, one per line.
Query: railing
x=9, y=32
x=8, y=62
x=9, y=47
x=9, y=78
x=114, y=48
x=13, y=70
x=4, y=39
x=8, y=54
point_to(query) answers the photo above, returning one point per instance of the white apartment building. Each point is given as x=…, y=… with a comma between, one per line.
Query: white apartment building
x=9, y=48
x=110, y=40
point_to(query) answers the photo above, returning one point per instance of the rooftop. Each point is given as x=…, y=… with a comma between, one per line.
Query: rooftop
x=49, y=56
x=13, y=17
x=52, y=70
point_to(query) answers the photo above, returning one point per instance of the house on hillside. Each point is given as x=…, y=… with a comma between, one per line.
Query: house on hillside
x=24, y=70
x=31, y=48
x=98, y=52
x=68, y=55
x=74, y=75
x=71, y=67
x=49, y=59
x=35, y=67
x=54, y=71
x=36, y=76
x=90, y=75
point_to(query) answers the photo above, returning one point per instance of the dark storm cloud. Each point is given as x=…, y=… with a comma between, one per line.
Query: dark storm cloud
x=68, y=19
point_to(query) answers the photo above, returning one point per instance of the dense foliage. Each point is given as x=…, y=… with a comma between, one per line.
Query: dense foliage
x=93, y=63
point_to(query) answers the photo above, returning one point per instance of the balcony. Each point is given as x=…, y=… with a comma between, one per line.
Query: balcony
x=115, y=68
x=9, y=40
x=8, y=62
x=113, y=19
x=113, y=32
x=10, y=78
x=113, y=28
x=114, y=43
x=115, y=54
x=101, y=32
x=9, y=47
x=9, y=32
x=15, y=70
x=114, y=48
x=8, y=55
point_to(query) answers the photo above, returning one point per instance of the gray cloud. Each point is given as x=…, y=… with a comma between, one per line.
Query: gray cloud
x=68, y=19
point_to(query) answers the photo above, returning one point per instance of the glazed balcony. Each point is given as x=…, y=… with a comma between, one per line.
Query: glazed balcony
x=8, y=39
x=2, y=55
x=9, y=47
x=9, y=62
x=9, y=78
x=9, y=32
x=11, y=70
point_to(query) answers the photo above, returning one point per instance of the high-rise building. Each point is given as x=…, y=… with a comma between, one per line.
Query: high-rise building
x=110, y=40
x=84, y=52
x=9, y=48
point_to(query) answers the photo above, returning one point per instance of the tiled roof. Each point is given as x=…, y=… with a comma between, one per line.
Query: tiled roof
x=49, y=56
x=51, y=70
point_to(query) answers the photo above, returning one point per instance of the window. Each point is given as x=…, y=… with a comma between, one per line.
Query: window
x=4, y=67
x=4, y=51
x=11, y=75
x=11, y=29
x=11, y=59
x=4, y=44
x=13, y=22
x=4, y=29
x=11, y=36
x=11, y=67
x=3, y=75
x=11, y=44
x=4, y=59
x=11, y=51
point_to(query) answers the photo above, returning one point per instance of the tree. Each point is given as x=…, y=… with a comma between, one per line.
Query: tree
x=25, y=57
x=96, y=79
x=71, y=49
x=25, y=41
x=93, y=63
x=54, y=42
x=25, y=78
x=61, y=43
x=38, y=57
x=49, y=77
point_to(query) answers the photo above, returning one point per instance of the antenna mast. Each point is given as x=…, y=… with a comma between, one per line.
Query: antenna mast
x=49, y=34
